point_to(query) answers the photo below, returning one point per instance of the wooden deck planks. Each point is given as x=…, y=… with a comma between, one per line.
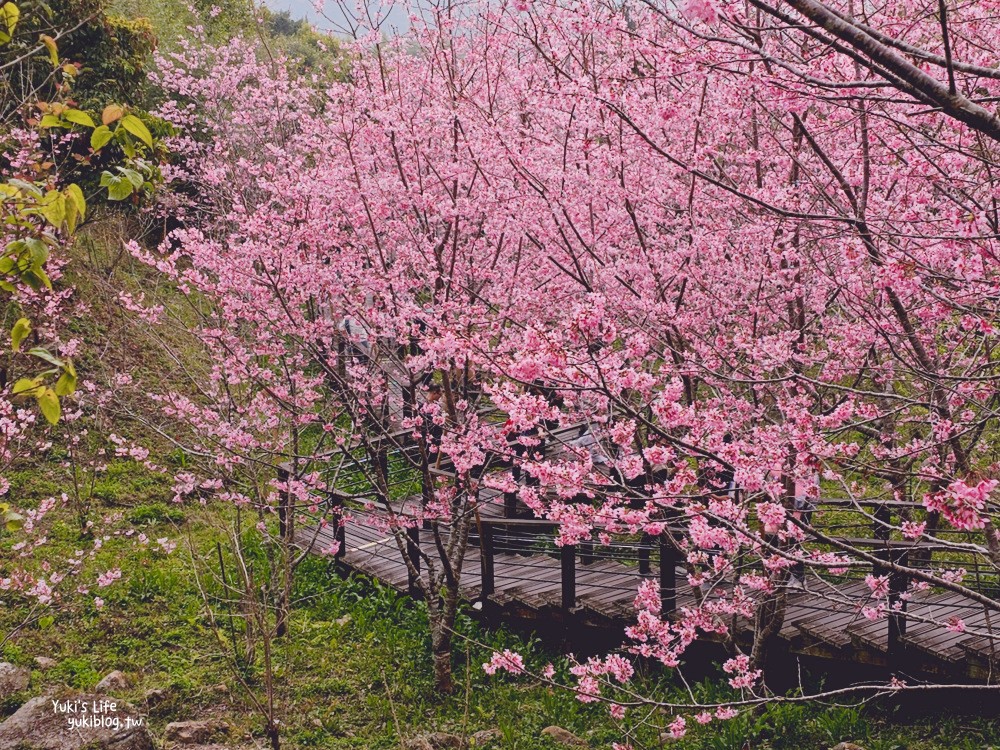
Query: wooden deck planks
x=828, y=613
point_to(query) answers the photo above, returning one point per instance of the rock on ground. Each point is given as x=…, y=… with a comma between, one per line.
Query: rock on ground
x=846, y=746
x=12, y=680
x=195, y=732
x=44, y=662
x=563, y=737
x=485, y=737
x=38, y=726
x=434, y=741
x=116, y=680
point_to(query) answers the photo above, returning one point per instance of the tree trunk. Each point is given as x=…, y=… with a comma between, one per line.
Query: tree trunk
x=767, y=624
x=272, y=735
x=441, y=649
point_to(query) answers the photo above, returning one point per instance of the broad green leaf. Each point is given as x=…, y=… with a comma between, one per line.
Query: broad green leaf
x=76, y=206
x=132, y=176
x=79, y=117
x=118, y=187
x=51, y=121
x=46, y=355
x=26, y=186
x=66, y=384
x=38, y=252
x=36, y=278
x=71, y=216
x=13, y=521
x=19, y=332
x=9, y=14
x=48, y=403
x=100, y=137
x=26, y=386
x=138, y=128
x=54, y=208
x=44, y=623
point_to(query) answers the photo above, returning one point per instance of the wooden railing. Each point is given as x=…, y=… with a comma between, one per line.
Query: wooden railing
x=657, y=557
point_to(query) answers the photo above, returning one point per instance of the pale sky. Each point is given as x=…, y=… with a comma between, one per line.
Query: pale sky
x=334, y=17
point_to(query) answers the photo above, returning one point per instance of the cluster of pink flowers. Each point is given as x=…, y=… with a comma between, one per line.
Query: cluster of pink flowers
x=508, y=661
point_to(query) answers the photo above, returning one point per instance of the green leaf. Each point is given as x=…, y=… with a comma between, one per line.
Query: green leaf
x=26, y=186
x=13, y=521
x=79, y=117
x=46, y=622
x=54, y=208
x=38, y=251
x=51, y=121
x=46, y=355
x=100, y=137
x=118, y=187
x=19, y=332
x=75, y=194
x=48, y=403
x=9, y=15
x=66, y=383
x=132, y=176
x=26, y=386
x=76, y=206
x=138, y=128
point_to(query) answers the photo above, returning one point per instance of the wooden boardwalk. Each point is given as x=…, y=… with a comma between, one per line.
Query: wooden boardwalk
x=512, y=570
x=582, y=587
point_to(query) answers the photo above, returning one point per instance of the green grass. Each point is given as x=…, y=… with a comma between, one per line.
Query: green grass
x=354, y=671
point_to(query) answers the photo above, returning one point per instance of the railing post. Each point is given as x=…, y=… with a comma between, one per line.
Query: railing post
x=510, y=512
x=668, y=575
x=486, y=560
x=413, y=553
x=645, y=542
x=882, y=522
x=567, y=557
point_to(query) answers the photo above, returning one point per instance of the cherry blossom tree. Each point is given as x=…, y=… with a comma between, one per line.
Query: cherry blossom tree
x=751, y=246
